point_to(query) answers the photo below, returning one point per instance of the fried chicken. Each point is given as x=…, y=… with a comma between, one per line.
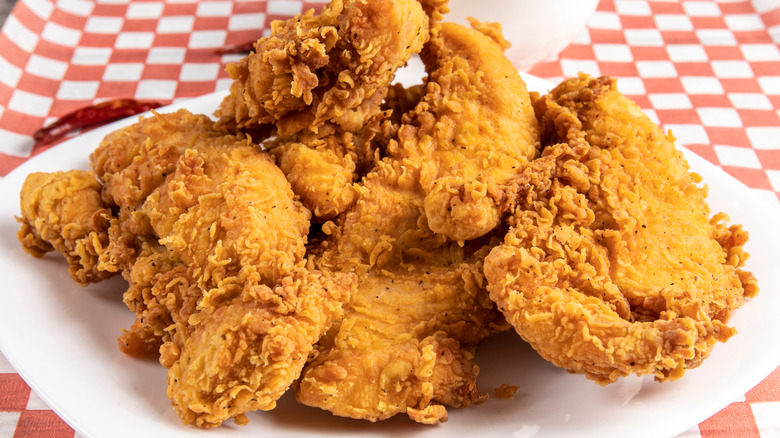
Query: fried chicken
x=228, y=208
x=407, y=340
x=226, y=215
x=234, y=348
x=318, y=69
x=613, y=265
x=63, y=211
x=215, y=278
x=408, y=336
x=211, y=238
x=132, y=162
x=319, y=80
x=243, y=354
x=473, y=130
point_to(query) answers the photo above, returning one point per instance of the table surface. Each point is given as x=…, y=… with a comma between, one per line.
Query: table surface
x=708, y=70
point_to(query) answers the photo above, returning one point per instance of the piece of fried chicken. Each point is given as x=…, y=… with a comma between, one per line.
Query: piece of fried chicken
x=132, y=162
x=242, y=354
x=211, y=239
x=63, y=211
x=232, y=350
x=319, y=69
x=216, y=238
x=317, y=83
x=613, y=265
x=225, y=214
x=406, y=342
x=407, y=339
x=473, y=130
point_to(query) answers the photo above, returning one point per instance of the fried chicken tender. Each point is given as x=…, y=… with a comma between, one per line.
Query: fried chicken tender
x=218, y=213
x=407, y=339
x=63, y=211
x=613, y=265
x=229, y=208
x=132, y=162
x=318, y=69
x=215, y=278
x=320, y=80
x=244, y=354
x=232, y=350
x=473, y=130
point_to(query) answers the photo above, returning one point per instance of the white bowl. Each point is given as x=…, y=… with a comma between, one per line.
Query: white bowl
x=537, y=29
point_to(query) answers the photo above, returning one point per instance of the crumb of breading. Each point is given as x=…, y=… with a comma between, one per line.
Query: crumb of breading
x=506, y=391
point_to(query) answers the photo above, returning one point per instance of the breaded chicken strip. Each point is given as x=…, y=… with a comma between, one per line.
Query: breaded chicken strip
x=473, y=130
x=243, y=354
x=214, y=239
x=614, y=265
x=224, y=211
x=407, y=339
x=320, y=79
x=133, y=161
x=318, y=69
x=228, y=208
x=232, y=350
x=63, y=212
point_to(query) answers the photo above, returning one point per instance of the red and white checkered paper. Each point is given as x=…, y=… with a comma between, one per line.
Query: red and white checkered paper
x=708, y=70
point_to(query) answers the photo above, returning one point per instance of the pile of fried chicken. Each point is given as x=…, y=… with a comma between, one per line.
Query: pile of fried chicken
x=335, y=233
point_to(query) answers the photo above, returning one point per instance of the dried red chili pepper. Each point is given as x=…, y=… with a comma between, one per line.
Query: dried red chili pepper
x=92, y=116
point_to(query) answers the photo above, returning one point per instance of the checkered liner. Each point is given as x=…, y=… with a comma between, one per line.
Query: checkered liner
x=707, y=70
x=61, y=56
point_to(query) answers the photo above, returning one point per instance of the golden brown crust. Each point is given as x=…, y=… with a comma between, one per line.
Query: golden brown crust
x=245, y=353
x=320, y=80
x=613, y=266
x=63, y=211
x=473, y=130
x=407, y=339
x=314, y=69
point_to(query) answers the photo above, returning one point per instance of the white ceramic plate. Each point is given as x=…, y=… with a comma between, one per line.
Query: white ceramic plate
x=62, y=340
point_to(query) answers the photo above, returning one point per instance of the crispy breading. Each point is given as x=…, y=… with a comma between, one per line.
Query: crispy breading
x=613, y=265
x=63, y=211
x=320, y=81
x=473, y=130
x=228, y=208
x=244, y=354
x=132, y=162
x=315, y=69
x=407, y=339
